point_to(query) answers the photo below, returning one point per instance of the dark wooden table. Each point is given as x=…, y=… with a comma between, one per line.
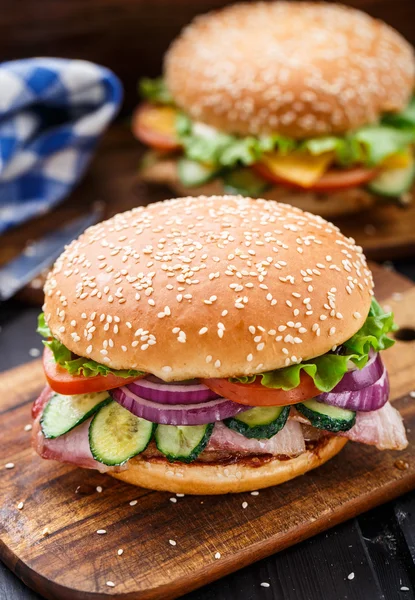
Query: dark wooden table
x=369, y=558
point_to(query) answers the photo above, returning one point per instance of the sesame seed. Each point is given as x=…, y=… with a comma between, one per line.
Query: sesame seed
x=255, y=493
x=133, y=502
x=350, y=576
x=172, y=543
x=28, y=427
x=20, y=505
x=120, y=552
x=9, y=465
x=265, y=584
x=244, y=504
x=101, y=531
x=110, y=584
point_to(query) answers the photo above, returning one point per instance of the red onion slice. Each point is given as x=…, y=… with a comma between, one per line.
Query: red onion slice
x=178, y=414
x=369, y=398
x=183, y=392
x=357, y=379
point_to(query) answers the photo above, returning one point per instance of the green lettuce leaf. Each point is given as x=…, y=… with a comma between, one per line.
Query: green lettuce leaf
x=154, y=90
x=381, y=141
x=77, y=366
x=42, y=326
x=373, y=334
x=327, y=370
x=348, y=150
x=405, y=118
x=316, y=146
x=370, y=145
x=224, y=150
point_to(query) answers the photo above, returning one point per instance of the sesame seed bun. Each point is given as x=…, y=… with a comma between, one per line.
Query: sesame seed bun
x=240, y=476
x=297, y=68
x=208, y=287
x=329, y=205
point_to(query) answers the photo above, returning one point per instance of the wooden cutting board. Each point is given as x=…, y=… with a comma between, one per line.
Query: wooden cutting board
x=171, y=547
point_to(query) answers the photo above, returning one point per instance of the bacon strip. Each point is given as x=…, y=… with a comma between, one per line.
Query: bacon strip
x=382, y=428
x=289, y=441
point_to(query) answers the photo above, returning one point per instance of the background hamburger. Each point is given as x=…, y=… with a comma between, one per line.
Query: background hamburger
x=212, y=345
x=310, y=103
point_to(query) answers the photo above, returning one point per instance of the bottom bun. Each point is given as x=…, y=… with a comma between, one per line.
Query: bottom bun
x=241, y=476
x=328, y=205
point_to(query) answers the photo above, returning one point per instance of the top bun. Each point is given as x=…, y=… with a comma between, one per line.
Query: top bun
x=299, y=69
x=208, y=287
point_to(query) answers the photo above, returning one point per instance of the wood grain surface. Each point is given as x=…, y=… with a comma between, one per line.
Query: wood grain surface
x=385, y=232
x=73, y=562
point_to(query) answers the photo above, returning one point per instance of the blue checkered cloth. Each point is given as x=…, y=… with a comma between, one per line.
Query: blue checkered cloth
x=52, y=112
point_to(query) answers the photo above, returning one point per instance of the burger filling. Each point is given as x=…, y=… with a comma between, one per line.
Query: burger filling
x=378, y=157
x=101, y=418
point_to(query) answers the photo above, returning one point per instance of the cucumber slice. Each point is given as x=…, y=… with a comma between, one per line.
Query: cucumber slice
x=63, y=413
x=192, y=173
x=116, y=435
x=262, y=422
x=393, y=182
x=324, y=416
x=182, y=442
x=245, y=182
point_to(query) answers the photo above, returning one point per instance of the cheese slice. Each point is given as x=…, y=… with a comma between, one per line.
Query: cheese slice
x=161, y=119
x=400, y=160
x=301, y=168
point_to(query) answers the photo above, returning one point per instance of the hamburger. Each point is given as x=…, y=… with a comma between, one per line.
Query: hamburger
x=309, y=103
x=212, y=345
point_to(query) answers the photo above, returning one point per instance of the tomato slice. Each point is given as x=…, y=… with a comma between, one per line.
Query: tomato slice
x=63, y=382
x=155, y=126
x=332, y=180
x=255, y=394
